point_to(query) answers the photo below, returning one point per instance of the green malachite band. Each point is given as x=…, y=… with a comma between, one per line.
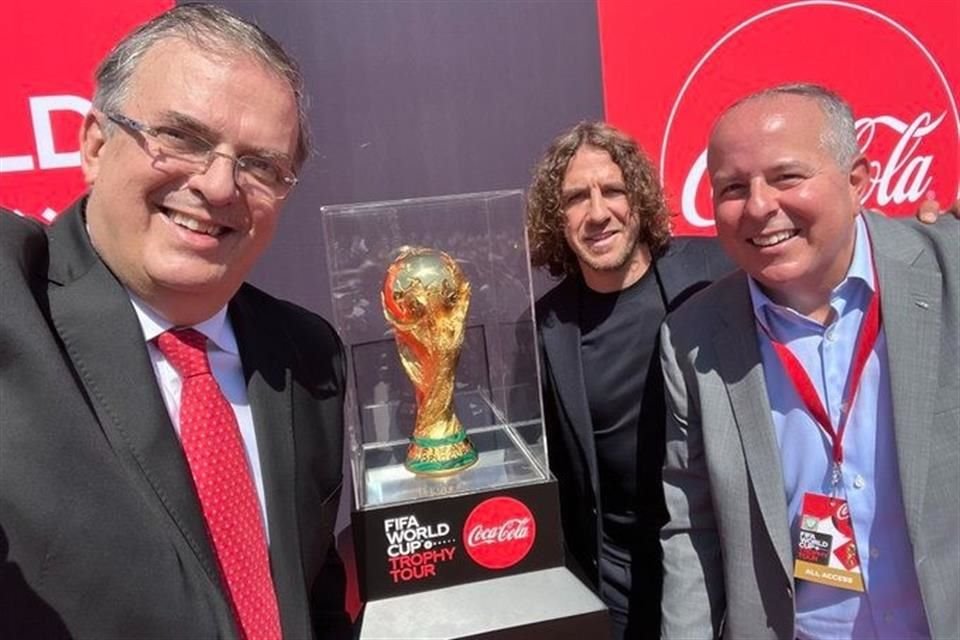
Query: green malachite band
x=431, y=443
x=449, y=465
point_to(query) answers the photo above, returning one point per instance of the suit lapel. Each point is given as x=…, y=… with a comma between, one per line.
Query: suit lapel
x=561, y=342
x=739, y=362
x=689, y=264
x=677, y=269
x=269, y=389
x=96, y=322
x=910, y=301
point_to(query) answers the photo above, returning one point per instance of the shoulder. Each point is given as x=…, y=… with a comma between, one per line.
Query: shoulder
x=23, y=247
x=915, y=242
x=691, y=334
x=18, y=235
x=702, y=244
x=696, y=251
x=295, y=321
x=688, y=265
x=557, y=301
x=12, y=223
x=302, y=338
x=701, y=311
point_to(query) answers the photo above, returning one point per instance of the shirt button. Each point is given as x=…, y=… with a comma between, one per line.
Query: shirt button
x=858, y=482
x=875, y=553
x=888, y=617
x=830, y=335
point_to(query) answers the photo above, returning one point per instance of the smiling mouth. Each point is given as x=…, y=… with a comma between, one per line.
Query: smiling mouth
x=773, y=239
x=599, y=237
x=197, y=226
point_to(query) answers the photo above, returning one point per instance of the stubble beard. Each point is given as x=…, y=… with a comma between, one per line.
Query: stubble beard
x=600, y=264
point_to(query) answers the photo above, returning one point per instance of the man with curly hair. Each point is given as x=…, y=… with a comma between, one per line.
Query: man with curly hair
x=596, y=216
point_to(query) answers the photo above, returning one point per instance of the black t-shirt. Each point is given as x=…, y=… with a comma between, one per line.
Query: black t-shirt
x=624, y=389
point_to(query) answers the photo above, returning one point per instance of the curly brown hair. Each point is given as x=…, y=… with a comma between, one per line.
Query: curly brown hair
x=545, y=216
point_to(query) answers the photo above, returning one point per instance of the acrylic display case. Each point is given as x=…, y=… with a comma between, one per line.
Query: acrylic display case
x=496, y=392
x=472, y=553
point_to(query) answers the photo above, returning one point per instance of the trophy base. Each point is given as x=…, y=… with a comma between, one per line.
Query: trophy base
x=549, y=603
x=426, y=457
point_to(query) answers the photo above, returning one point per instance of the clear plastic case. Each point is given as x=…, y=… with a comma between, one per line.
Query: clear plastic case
x=496, y=386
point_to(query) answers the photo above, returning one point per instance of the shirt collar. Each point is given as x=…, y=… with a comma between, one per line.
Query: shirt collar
x=861, y=269
x=216, y=328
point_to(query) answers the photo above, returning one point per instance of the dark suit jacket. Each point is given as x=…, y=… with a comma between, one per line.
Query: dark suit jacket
x=687, y=265
x=101, y=533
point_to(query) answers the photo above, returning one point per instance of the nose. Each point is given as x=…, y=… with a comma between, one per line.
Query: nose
x=762, y=200
x=598, y=212
x=218, y=183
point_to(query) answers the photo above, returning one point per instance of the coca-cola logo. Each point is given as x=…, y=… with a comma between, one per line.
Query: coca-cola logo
x=904, y=177
x=841, y=519
x=908, y=122
x=499, y=532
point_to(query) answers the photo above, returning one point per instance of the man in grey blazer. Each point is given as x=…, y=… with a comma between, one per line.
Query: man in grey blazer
x=766, y=410
x=111, y=526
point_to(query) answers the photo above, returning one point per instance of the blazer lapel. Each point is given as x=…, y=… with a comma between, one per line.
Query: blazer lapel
x=739, y=362
x=676, y=270
x=93, y=316
x=688, y=265
x=910, y=301
x=561, y=342
x=269, y=389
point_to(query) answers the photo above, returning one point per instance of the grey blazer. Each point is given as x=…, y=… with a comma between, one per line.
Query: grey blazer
x=728, y=563
x=101, y=533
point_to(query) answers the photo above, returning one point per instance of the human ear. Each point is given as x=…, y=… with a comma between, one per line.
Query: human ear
x=92, y=140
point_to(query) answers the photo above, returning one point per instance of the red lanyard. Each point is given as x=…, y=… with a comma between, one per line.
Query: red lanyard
x=866, y=339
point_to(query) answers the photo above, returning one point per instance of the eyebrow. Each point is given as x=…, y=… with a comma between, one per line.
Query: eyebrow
x=613, y=184
x=201, y=130
x=566, y=193
x=784, y=165
x=788, y=164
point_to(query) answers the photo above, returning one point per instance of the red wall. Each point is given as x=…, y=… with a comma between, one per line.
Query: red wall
x=49, y=49
x=669, y=68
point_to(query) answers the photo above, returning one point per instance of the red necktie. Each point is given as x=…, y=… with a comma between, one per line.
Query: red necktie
x=211, y=441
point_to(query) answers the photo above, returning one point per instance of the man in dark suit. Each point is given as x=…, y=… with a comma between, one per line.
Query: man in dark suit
x=139, y=499
x=596, y=215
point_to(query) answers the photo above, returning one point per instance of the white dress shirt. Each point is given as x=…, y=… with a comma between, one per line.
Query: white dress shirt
x=227, y=369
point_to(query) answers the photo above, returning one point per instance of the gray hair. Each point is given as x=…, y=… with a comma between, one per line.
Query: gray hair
x=213, y=29
x=839, y=136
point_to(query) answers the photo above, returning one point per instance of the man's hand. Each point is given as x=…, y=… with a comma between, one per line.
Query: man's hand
x=929, y=211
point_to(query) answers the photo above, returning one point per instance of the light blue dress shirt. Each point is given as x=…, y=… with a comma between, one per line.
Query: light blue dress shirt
x=891, y=606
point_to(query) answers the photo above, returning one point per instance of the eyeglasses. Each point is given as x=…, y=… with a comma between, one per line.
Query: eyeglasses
x=190, y=152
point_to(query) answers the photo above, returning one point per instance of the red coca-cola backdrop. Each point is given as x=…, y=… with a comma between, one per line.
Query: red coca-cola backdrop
x=49, y=50
x=668, y=70
x=671, y=67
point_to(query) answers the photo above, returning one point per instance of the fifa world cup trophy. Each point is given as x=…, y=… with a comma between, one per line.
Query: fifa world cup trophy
x=425, y=298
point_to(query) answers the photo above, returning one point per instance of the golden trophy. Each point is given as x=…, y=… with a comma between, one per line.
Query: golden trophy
x=425, y=298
